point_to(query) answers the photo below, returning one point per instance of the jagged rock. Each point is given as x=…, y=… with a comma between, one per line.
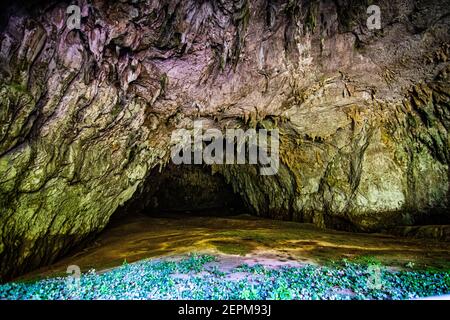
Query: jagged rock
x=87, y=114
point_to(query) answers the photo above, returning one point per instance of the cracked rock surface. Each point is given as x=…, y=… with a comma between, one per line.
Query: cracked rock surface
x=86, y=115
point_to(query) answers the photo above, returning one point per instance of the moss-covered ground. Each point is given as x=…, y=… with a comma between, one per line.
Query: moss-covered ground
x=197, y=277
x=240, y=257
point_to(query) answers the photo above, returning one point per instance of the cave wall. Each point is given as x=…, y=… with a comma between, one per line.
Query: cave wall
x=376, y=169
x=87, y=114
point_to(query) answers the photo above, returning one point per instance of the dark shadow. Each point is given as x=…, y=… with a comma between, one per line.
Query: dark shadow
x=184, y=189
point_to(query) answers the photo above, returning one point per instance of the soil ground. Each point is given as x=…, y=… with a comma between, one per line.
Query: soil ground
x=244, y=239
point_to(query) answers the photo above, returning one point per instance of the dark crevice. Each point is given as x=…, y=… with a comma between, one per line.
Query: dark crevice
x=188, y=189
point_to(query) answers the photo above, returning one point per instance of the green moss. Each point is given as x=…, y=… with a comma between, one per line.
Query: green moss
x=164, y=82
x=352, y=13
x=367, y=260
x=18, y=87
x=241, y=20
x=190, y=278
x=311, y=16
x=232, y=247
x=115, y=110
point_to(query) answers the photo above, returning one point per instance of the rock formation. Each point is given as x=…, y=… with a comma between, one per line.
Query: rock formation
x=87, y=114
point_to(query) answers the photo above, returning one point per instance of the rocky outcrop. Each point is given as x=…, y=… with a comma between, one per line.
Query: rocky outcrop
x=87, y=114
x=437, y=232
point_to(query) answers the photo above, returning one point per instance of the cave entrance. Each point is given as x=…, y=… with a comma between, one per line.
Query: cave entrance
x=186, y=189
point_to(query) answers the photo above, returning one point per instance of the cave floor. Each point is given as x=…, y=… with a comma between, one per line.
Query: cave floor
x=245, y=239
